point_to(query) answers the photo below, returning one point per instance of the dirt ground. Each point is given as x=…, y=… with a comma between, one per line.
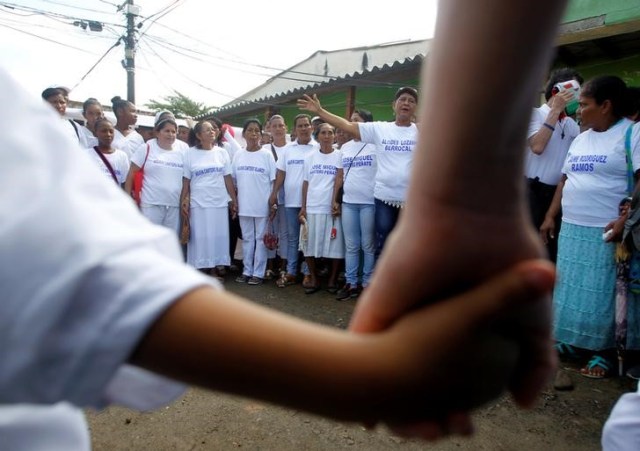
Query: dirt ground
x=564, y=421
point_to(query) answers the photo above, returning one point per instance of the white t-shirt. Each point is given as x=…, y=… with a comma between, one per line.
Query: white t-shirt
x=548, y=166
x=395, y=147
x=206, y=170
x=596, y=172
x=292, y=163
x=254, y=173
x=279, y=152
x=163, y=170
x=83, y=274
x=359, y=162
x=621, y=432
x=118, y=161
x=69, y=127
x=86, y=137
x=320, y=173
x=128, y=144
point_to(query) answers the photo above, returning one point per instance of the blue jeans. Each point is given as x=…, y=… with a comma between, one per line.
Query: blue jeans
x=358, y=225
x=293, y=228
x=386, y=219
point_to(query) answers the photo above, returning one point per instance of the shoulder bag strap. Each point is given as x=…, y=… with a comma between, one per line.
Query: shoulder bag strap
x=627, y=147
x=351, y=164
x=75, y=127
x=273, y=150
x=145, y=157
x=107, y=164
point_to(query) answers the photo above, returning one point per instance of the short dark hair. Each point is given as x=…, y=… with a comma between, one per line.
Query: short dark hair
x=559, y=75
x=54, y=91
x=413, y=92
x=364, y=114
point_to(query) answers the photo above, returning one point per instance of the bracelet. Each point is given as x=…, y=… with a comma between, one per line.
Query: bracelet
x=550, y=127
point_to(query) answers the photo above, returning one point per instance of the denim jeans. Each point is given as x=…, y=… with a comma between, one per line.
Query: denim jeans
x=293, y=228
x=386, y=218
x=358, y=224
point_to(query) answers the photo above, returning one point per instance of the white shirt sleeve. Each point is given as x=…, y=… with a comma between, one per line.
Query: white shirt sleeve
x=622, y=430
x=84, y=274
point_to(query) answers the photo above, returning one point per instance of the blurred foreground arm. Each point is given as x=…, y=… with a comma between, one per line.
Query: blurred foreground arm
x=466, y=217
x=216, y=340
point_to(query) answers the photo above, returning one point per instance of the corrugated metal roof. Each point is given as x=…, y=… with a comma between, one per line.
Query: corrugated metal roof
x=325, y=68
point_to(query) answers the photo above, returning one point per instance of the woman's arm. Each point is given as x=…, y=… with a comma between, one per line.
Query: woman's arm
x=548, y=226
x=128, y=184
x=303, y=209
x=339, y=181
x=185, y=197
x=231, y=190
x=313, y=104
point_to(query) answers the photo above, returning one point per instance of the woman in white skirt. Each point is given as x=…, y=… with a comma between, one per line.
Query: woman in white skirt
x=207, y=195
x=254, y=170
x=325, y=238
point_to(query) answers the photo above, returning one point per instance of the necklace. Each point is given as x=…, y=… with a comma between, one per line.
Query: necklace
x=561, y=125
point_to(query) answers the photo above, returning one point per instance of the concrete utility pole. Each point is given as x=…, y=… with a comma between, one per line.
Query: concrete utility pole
x=131, y=12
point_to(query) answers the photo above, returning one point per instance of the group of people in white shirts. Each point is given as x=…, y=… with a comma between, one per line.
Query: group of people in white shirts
x=328, y=201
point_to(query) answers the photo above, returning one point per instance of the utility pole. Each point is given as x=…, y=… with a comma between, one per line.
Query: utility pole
x=131, y=12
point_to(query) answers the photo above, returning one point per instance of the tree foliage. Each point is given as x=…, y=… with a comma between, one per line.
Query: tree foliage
x=180, y=105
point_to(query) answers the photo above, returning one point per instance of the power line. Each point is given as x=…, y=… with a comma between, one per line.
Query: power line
x=116, y=44
x=47, y=39
x=74, y=7
x=172, y=66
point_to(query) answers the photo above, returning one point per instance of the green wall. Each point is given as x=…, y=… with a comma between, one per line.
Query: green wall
x=377, y=99
x=615, y=10
x=628, y=69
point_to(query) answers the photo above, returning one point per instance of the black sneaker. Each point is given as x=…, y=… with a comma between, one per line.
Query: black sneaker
x=344, y=293
x=634, y=373
x=355, y=292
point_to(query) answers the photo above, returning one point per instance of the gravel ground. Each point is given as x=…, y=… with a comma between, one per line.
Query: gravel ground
x=565, y=421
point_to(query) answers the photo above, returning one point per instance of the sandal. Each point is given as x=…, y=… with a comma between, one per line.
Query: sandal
x=285, y=280
x=307, y=281
x=565, y=351
x=312, y=289
x=596, y=363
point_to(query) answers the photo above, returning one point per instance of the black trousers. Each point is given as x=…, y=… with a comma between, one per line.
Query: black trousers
x=540, y=196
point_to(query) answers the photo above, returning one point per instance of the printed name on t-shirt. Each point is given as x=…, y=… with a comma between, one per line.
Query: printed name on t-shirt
x=211, y=170
x=357, y=162
x=170, y=164
x=324, y=169
x=251, y=169
x=295, y=161
x=397, y=145
x=585, y=163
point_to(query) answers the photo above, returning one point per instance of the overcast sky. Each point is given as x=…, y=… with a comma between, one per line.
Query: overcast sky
x=210, y=51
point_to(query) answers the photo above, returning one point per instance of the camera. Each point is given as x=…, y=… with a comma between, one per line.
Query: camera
x=574, y=86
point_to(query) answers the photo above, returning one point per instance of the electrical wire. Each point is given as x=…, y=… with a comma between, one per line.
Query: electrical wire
x=116, y=44
x=74, y=6
x=172, y=66
x=47, y=39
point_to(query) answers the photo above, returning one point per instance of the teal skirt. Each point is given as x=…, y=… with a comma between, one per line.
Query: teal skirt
x=584, y=296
